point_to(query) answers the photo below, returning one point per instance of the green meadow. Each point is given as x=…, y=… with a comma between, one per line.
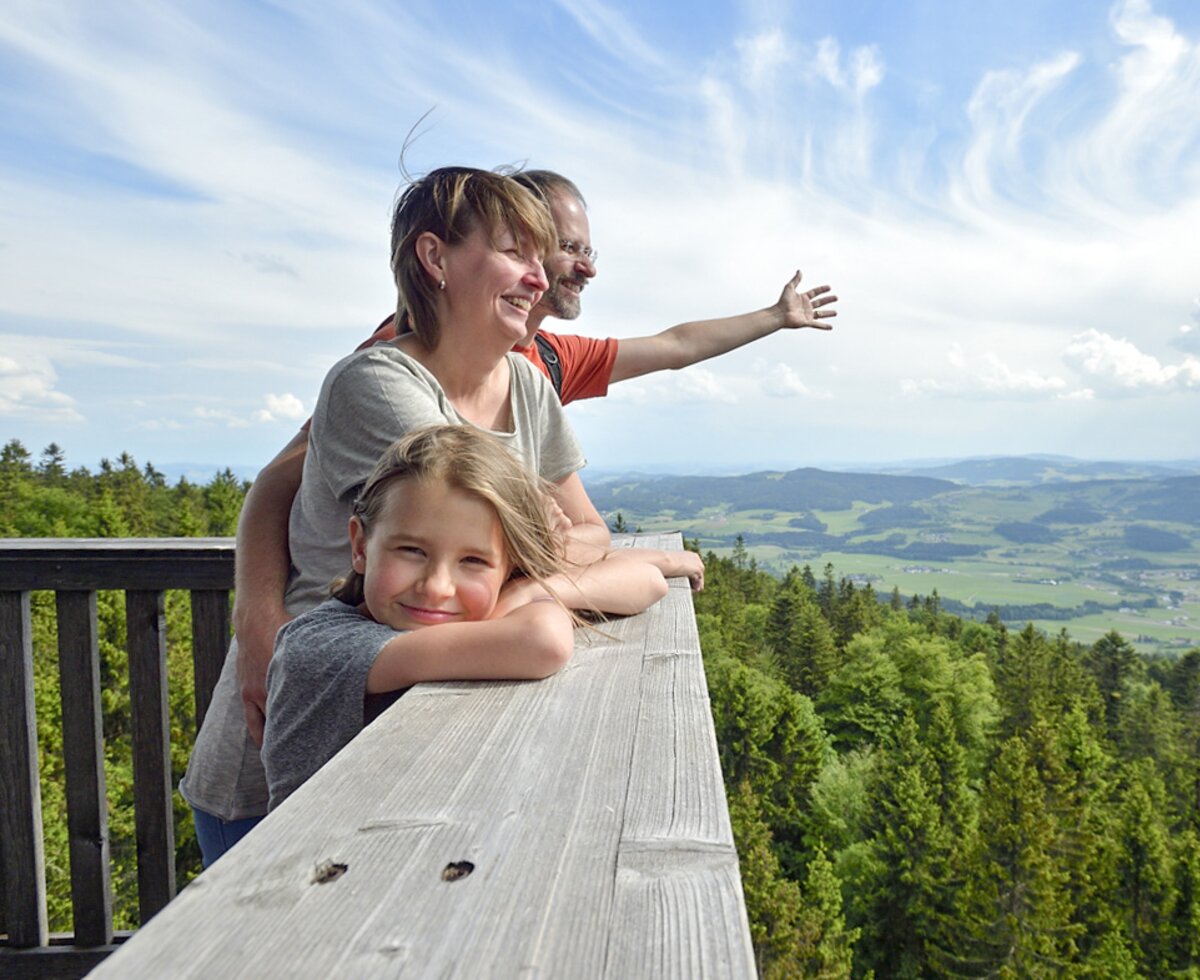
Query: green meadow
x=1084, y=556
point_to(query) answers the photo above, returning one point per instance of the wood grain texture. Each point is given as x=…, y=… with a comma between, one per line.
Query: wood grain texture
x=116, y=563
x=153, y=813
x=21, y=852
x=590, y=806
x=83, y=756
x=210, y=643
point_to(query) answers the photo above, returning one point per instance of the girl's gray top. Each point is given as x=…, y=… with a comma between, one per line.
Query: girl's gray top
x=317, y=691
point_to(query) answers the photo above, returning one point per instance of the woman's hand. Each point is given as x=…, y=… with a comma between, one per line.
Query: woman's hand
x=672, y=564
x=557, y=516
x=684, y=564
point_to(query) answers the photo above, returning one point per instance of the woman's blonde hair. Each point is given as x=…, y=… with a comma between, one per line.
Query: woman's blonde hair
x=470, y=460
x=452, y=202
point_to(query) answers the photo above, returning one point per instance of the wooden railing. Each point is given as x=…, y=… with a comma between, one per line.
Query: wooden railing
x=571, y=827
x=75, y=569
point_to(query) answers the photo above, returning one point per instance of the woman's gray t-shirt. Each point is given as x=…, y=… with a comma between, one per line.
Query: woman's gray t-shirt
x=368, y=401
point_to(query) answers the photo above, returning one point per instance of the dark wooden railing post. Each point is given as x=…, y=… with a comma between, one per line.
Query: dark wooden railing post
x=74, y=569
x=20, y=793
x=153, y=814
x=210, y=643
x=83, y=752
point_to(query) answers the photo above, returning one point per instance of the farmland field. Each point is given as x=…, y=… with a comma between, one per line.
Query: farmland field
x=1087, y=556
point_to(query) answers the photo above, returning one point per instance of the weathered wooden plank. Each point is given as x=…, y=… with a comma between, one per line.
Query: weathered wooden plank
x=487, y=777
x=210, y=643
x=85, y=564
x=51, y=962
x=21, y=853
x=83, y=752
x=534, y=784
x=153, y=814
x=678, y=873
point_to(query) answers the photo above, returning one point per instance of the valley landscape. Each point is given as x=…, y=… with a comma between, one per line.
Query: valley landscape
x=1066, y=544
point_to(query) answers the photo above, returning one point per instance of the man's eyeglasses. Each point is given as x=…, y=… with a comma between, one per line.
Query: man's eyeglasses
x=575, y=250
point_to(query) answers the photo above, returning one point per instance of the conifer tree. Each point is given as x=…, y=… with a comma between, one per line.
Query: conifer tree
x=1145, y=879
x=1185, y=917
x=1016, y=903
x=863, y=701
x=51, y=469
x=898, y=903
x=808, y=656
x=773, y=902
x=825, y=947
x=1113, y=663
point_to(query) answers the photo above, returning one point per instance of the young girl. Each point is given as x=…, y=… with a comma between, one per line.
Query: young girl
x=450, y=530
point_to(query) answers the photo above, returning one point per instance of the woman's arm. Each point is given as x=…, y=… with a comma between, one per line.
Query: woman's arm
x=672, y=564
x=530, y=642
x=588, y=539
x=261, y=574
x=622, y=588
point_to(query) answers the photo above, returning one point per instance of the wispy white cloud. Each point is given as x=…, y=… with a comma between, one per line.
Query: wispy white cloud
x=1117, y=366
x=999, y=111
x=29, y=389
x=285, y=407
x=988, y=378
x=612, y=31
x=694, y=384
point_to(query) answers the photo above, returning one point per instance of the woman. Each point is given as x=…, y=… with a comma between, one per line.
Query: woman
x=467, y=249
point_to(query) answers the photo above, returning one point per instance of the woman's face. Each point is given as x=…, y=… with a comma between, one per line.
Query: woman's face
x=435, y=554
x=493, y=281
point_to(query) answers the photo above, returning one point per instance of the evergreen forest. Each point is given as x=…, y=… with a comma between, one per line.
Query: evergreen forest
x=912, y=794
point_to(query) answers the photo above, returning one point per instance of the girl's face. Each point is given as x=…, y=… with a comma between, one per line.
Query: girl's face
x=493, y=283
x=435, y=554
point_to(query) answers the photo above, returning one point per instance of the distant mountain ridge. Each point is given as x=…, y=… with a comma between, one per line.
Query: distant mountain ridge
x=1031, y=470
x=1164, y=496
x=802, y=489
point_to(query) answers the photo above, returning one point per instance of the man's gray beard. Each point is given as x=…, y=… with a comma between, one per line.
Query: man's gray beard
x=563, y=304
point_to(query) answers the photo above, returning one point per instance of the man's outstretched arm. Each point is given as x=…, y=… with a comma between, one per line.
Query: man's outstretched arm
x=261, y=574
x=688, y=343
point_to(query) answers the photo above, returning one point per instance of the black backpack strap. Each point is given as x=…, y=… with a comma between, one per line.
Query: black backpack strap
x=550, y=359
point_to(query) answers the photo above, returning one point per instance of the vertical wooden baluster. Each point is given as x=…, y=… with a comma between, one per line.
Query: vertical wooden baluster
x=21, y=854
x=210, y=643
x=83, y=751
x=154, y=816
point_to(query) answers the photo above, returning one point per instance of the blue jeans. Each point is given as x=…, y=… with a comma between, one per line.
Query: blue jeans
x=216, y=836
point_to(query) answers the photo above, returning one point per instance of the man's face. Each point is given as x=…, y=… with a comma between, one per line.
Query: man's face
x=567, y=274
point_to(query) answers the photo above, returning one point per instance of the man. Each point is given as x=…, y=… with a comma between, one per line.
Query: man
x=584, y=368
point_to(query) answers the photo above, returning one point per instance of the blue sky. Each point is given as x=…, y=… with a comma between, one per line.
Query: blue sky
x=194, y=204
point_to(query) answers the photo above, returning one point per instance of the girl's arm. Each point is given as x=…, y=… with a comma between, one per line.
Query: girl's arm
x=528, y=643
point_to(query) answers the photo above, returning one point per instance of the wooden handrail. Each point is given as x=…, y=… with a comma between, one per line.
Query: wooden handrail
x=575, y=826
x=75, y=569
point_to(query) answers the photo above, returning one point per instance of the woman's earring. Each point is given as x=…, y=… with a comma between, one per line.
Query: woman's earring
x=442, y=285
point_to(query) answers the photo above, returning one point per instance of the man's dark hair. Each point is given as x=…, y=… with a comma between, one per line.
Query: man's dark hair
x=546, y=182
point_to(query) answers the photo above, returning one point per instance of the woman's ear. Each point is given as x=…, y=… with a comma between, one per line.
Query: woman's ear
x=431, y=253
x=358, y=546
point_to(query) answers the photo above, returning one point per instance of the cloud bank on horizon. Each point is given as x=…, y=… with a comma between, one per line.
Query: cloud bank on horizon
x=1005, y=196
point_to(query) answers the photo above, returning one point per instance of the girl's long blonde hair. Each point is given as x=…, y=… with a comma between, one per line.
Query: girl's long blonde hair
x=476, y=463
